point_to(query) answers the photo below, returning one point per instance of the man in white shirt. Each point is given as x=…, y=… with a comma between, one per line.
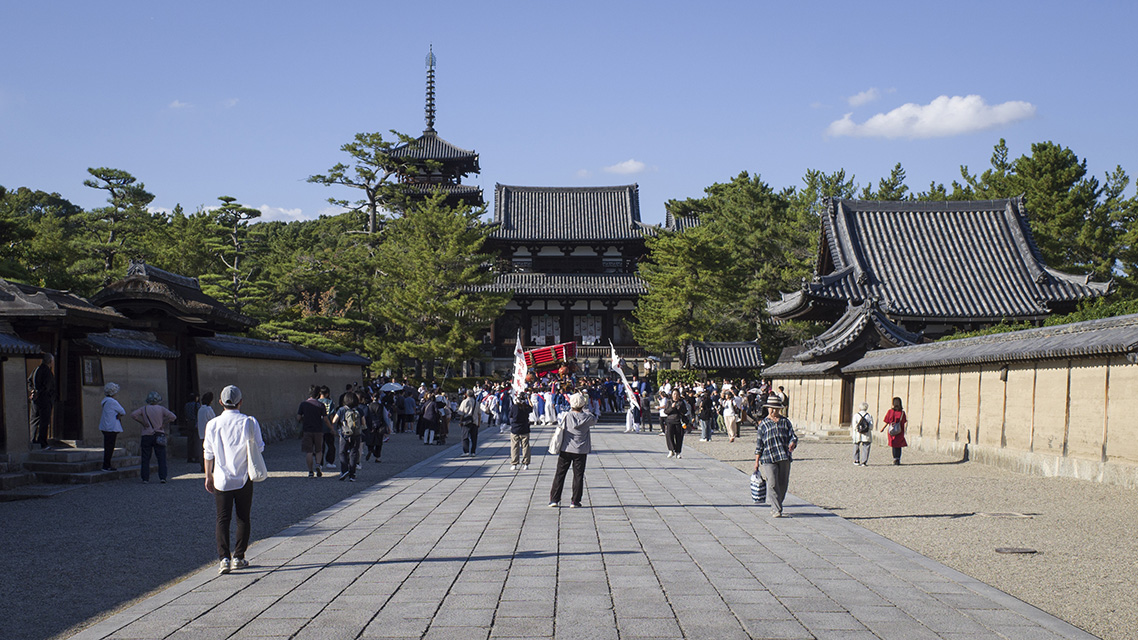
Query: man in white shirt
x=226, y=454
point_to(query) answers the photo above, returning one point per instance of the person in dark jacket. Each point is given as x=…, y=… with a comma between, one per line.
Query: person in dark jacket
x=520, y=411
x=41, y=392
x=705, y=410
x=675, y=412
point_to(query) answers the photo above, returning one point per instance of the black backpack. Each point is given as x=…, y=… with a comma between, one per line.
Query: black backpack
x=863, y=425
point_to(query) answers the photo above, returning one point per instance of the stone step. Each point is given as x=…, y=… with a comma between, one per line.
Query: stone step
x=13, y=479
x=70, y=454
x=121, y=459
x=89, y=477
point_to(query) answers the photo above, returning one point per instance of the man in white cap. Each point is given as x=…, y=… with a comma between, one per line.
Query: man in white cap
x=773, y=449
x=226, y=454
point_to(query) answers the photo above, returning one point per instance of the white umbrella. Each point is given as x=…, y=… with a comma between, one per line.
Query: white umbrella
x=391, y=386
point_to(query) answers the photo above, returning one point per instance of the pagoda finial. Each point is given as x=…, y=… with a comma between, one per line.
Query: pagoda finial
x=431, y=89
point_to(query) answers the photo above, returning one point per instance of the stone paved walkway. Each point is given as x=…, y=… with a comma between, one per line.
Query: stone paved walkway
x=466, y=548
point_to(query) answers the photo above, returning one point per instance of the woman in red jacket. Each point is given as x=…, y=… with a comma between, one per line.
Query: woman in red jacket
x=896, y=416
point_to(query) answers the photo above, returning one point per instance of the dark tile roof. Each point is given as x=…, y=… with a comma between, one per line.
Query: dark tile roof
x=724, y=355
x=971, y=261
x=567, y=214
x=25, y=301
x=795, y=369
x=1110, y=336
x=149, y=284
x=430, y=146
x=238, y=347
x=12, y=345
x=128, y=344
x=553, y=285
x=864, y=324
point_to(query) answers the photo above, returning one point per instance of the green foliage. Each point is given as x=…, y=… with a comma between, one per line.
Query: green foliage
x=427, y=266
x=36, y=231
x=891, y=188
x=712, y=281
x=240, y=250
x=684, y=376
x=114, y=234
x=373, y=171
x=1095, y=309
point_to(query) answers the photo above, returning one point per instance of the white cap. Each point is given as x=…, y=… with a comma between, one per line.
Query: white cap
x=230, y=396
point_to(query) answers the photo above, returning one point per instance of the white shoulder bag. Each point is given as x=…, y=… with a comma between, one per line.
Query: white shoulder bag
x=258, y=472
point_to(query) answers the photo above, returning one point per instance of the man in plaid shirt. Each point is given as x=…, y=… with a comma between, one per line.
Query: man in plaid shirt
x=776, y=442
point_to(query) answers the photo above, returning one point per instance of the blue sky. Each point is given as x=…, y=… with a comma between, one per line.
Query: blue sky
x=247, y=99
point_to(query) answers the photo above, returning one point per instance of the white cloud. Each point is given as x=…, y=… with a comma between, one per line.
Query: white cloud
x=178, y=104
x=943, y=117
x=629, y=166
x=865, y=97
x=230, y=103
x=582, y=173
x=278, y=213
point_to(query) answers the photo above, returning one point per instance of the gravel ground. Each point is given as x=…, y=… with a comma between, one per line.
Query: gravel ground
x=84, y=554
x=1085, y=570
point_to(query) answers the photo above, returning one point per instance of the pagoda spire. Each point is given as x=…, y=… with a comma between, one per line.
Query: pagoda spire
x=431, y=89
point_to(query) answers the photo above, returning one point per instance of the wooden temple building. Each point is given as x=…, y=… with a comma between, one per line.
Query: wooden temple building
x=150, y=331
x=568, y=257
x=893, y=276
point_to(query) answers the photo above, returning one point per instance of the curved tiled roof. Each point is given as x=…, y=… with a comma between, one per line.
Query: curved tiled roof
x=793, y=368
x=1110, y=336
x=851, y=327
x=14, y=345
x=620, y=285
x=972, y=261
x=567, y=214
x=26, y=301
x=128, y=344
x=724, y=355
x=430, y=146
x=148, y=283
x=238, y=347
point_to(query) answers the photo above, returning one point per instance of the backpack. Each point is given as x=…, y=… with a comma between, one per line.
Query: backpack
x=350, y=423
x=863, y=425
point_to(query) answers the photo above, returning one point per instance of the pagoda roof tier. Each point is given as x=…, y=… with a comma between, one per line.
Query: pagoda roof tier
x=966, y=261
x=707, y=356
x=468, y=193
x=568, y=214
x=577, y=285
x=430, y=146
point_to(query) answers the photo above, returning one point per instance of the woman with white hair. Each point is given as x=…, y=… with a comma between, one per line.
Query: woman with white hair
x=861, y=429
x=110, y=423
x=575, y=447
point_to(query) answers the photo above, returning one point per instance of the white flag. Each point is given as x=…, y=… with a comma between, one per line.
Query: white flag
x=519, y=382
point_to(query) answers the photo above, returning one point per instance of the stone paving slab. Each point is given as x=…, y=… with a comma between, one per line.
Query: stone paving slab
x=456, y=547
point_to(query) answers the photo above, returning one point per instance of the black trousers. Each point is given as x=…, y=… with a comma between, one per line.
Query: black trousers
x=109, y=438
x=674, y=435
x=40, y=421
x=469, y=438
x=241, y=501
x=564, y=460
x=330, y=448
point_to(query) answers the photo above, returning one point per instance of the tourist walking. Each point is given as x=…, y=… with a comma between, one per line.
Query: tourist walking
x=895, y=423
x=469, y=417
x=575, y=448
x=520, y=411
x=153, y=417
x=313, y=417
x=861, y=430
x=110, y=422
x=675, y=414
x=41, y=393
x=226, y=453
x=730, y=419
x=705, y=410
x=329, y=434
x=190, y=428
x=773, y=448
x=349, y=422
x=205, y=414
